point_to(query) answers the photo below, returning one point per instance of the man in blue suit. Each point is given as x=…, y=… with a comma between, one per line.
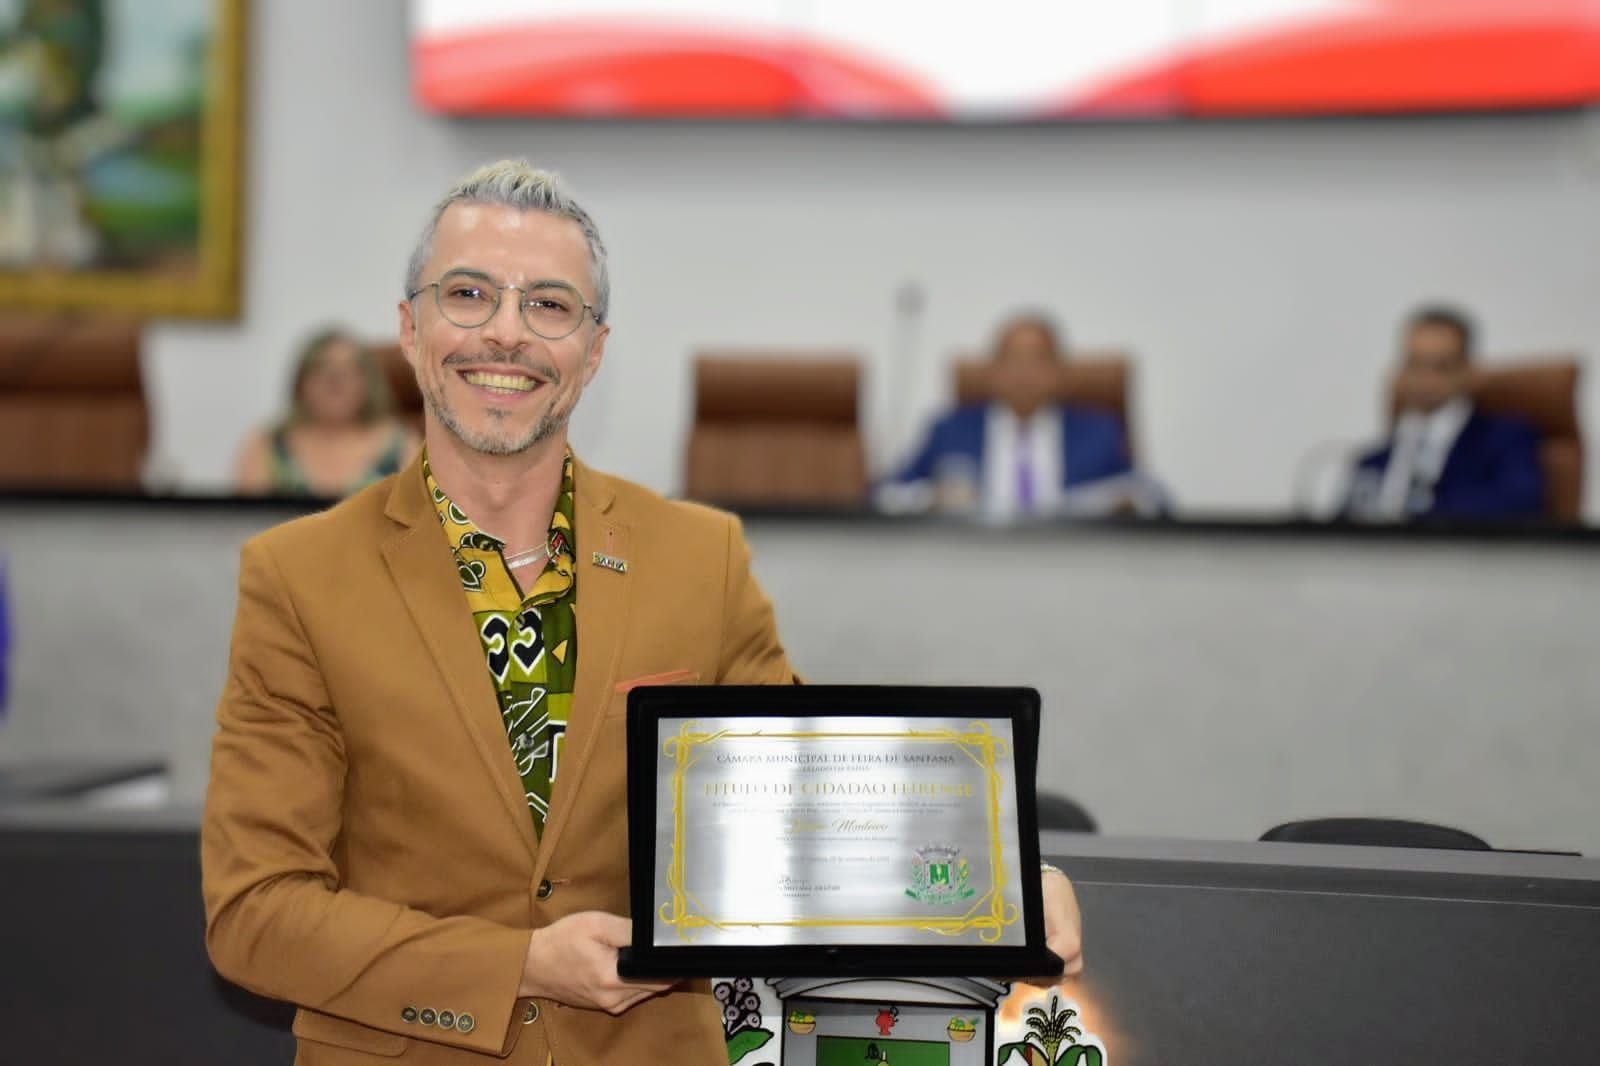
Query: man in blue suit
x=1444, y=459
x=1024, y=454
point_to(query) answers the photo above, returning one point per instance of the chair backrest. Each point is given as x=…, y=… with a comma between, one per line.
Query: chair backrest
x=72, y=404
x=1544, y=393
x=778, y=428
x=402, y=383
x=1376, y=832
x=1056, y=811
x=1099, y=378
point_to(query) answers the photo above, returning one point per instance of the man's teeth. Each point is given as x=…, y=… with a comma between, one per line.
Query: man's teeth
x=503, y=382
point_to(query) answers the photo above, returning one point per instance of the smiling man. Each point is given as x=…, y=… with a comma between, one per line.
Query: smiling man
x=416, y=828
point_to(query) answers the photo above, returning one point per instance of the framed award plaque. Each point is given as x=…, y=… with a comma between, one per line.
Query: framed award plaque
x=834, y=830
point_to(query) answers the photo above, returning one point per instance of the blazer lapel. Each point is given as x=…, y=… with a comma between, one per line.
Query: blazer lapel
x=1069, y=448
x=602, y=608
x=418, y=556
x=1463, y=454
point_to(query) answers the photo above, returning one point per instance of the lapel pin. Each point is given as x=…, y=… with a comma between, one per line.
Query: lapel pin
x=611, y=562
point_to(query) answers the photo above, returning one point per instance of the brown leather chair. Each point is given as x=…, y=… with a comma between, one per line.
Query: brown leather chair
x=1544, y=393
x=777, y=429
x=1101, y=379
x=402, y=383
x=72, y=404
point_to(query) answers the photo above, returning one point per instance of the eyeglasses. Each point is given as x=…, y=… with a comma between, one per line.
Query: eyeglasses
x=552, y=309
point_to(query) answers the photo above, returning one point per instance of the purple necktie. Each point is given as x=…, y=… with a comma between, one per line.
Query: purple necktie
x=1024, y=470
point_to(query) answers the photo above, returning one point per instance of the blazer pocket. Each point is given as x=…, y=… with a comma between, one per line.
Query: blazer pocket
x=618, y=708
x=353, y=1036
x=668, y=677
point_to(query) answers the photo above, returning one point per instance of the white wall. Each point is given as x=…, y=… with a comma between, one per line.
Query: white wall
x=1257, y=270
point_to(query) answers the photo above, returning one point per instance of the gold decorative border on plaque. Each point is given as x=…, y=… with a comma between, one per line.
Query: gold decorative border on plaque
x=687, y=915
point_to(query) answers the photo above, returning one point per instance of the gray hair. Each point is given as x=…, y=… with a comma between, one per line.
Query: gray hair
x=514, y=183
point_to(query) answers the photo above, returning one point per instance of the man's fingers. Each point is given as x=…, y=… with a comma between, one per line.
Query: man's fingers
x=611, y=929
x=1063, y=921
x=1071, y=953
x=1070, y=948
x=573, y=960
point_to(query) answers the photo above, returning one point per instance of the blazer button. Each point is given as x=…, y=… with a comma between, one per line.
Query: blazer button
x=545, y=889
x=447, y=1019
x=465, y=1023
x=530, y=1015
x=428, y=1016
x=408, y=1014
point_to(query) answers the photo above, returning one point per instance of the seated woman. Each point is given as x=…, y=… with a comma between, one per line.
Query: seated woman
x=339, y=435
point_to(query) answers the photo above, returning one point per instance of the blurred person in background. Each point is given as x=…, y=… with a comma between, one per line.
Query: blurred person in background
x=1445, y=459
x=1024, y=454
x=339, y=435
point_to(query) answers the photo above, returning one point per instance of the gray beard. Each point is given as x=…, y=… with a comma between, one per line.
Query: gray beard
x=550, y=423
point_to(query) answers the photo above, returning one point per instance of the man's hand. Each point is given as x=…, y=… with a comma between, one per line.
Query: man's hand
x=574, y=961
x=1063, y=926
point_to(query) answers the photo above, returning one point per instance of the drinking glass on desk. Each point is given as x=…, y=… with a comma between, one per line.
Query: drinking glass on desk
x=956, y=487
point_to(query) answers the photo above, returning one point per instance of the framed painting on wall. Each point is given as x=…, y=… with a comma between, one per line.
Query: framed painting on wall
x=120, y=151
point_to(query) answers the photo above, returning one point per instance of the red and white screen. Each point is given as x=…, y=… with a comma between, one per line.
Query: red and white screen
x=1001, y=59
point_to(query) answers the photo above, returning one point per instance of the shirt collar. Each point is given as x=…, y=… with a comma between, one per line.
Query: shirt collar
x=474, y=549
x=1438, y=427
x=1452, y=418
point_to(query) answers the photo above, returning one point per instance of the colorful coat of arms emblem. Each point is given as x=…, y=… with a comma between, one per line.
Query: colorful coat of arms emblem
x=939, y=875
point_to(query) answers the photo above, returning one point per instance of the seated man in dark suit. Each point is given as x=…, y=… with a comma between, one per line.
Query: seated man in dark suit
x=1024, y=454
x=1445, y=459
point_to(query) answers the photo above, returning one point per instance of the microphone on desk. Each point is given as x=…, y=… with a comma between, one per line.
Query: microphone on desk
x=1322, y=479
x=910, y=299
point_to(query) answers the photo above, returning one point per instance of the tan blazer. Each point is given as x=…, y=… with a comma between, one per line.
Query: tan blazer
x=367, y=849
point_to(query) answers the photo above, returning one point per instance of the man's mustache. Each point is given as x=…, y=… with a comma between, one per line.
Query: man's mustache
x=545, y=372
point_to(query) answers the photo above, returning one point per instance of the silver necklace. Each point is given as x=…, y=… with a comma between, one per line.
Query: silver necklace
x=527, y=558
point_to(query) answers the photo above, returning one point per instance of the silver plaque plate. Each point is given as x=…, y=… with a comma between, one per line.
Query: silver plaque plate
x=848, y=830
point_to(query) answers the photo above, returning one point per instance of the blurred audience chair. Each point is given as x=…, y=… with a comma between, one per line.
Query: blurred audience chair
x=72, y=404
x=402, y=384
x=777, y=429
x=1376, y=832
x=1543, y=393
x=1101, y=379
x=1058, y=812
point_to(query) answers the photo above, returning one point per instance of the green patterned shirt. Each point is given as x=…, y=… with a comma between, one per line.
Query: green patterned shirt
x=530, y=639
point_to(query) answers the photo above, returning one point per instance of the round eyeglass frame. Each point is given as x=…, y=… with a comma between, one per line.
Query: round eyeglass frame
x=522, y=306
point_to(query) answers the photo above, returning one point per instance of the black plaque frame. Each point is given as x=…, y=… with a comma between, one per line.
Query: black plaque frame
x=648, y=706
